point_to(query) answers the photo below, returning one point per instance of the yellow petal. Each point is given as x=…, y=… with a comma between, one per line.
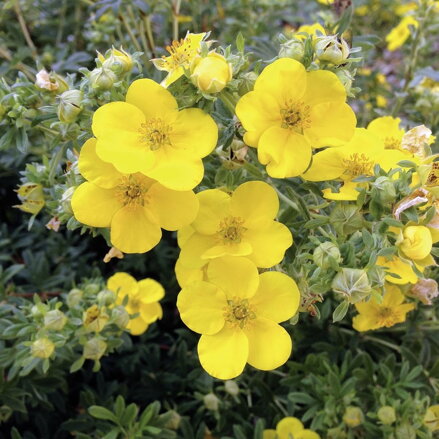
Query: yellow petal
x=132, y=230
x=399, y=267
x=362, y=323
x=269, y=344
x=195, y=132
x=172, y=76
x=224, y=354
x=288, y=426
x=176, y=170
x=123, y=285
x=201, y=306
x=150, y=291
x=137, y=326
x=243, y=248
x=386, y=127
x=93, y=205
x=332, y=124
x=348, y=192
x=417, y=243
x=184, y=234
x=269, y=434
x=286, y=154
x=269, y=244
x=93, y=169
x=323, y=86
x=277, y=297
x=150, y=312
x=152, y=99
x=307, y=434
x=174, y=209
x=236, y=276
x=185, y=275
x=326, y=165
x=284, y=79
x=194, y=248
x=256, y=202
x=257, y=111
x=214, y=205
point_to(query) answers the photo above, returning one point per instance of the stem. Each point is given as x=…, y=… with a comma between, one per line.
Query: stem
x=287, y=200
x=61, y=23
x=24, y=29
x=150, y=35
x=175, y=13
x=383, y=342
x=229, y=100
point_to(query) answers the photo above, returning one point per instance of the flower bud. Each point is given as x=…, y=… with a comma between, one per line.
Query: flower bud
x=119, y=61
x=174, y=420
x=94, y=349
x=74, y=297
x=94, y=319
x=346, y=78
x=384, y=189
x=387, y=415
x=431, y=418
x=331, y=49
x=211, y=73
x=417, y=242
x=231, y=387
x=405, y=431
x=346, y=219
x=352, y=284
x=102, y=78
x=106, y=297
x=120, y=316
x=50, y=81
x=31, y=196
x=55, y=320
x=42, y=348
x=211, y=402
x=39, y=310
x=92, y=289
x=66, y=200
x=353, y=416
x=247, y=83
x=324, y=253
x=69, y=106
x=294, y=48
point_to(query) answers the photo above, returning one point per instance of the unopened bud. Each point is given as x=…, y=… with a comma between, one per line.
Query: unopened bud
x=346, y=219
x=74, y=297
x=332, y=49
x=106, y=297
x=94, y=349
x=384, y=189
x=231, y=387
x=55, y=320
x=120, y=316
x=211, y=73
x=346, y=78
x=70, y=105
x=94, y=319
x=326, y=254
x=42, y=348
x=39, y=310
x=352, y=284
x=353, y=416
x=405, y=431
x=211, y=402
x=92, y=289
x=174, y=420
x=294, y=48
x=119, y=61
x=387, y=415
x=102, y=78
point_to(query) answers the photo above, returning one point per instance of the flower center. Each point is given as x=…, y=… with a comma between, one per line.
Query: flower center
x=155, y=133
x=387, y=317
x=295, y=116
x=131, y=191
x=180, y=53
x=238, y=312
x=231, y=230
x=357, y=164
x=433, y=176
x=392, y=143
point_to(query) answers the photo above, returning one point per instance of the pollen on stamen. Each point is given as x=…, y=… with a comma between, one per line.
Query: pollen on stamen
x=238, y=313
x=155, y=133
x=231, y=230
x=295, y=116
x=131, y=192
x=358, y=164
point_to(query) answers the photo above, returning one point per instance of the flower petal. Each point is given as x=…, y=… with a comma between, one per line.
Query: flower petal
x=256, y=202
x=93, y=169
x=123, y=284
x=392, y=296
x=150, y=291
x=201, y=306
x=132, y=230
x=236, y=276
x=288, y=426
x=93, y=205
x=269, y=344
x=224, y=354
x=269, y=244
x=277, y=297
x=239, y=249
x=150, y=312
x=137, y=326
x=174, y=209
x=399, y=267
x=186, y=276
x=152, y=99
x=286, y=153
x=323, y=86
x=194, y=131
x=326, y=165
x=332, y=124
x=193, y=249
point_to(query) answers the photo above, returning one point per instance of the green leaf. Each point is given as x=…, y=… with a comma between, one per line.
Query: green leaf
x=340, y=311
x=77, y=364
x=240, y=42
x=99, y=412
x=129, y=415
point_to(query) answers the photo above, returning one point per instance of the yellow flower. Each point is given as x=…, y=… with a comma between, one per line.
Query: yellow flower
x=290, y=111
x=135, y=207
x=400, y=267
x=290, y=427
x=388, y=130
x=373, y=315
x=211, y=73
x=148, y=134
x=94, y=318
x=381, y=101
x=416, y=242
x=31, y=196
x=143, y=298
x=237, y=312
x=326, y=2
x=313, y=30
x=181, y=54
x=42, y=348
x=356, y=158
x=431, y=418
x=399, y=34
x=241, y=224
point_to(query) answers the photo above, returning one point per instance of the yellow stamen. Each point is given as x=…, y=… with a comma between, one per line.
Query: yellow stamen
x=131, y=191
x=358, y=164
x=238, y=312
x=387, y=317
x=155, y=133
x=231, y=230
x=295, y=116
x=392, y=143
x=433, y=176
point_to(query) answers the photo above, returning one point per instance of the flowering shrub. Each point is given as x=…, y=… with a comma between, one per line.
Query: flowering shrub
x=262, y=174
